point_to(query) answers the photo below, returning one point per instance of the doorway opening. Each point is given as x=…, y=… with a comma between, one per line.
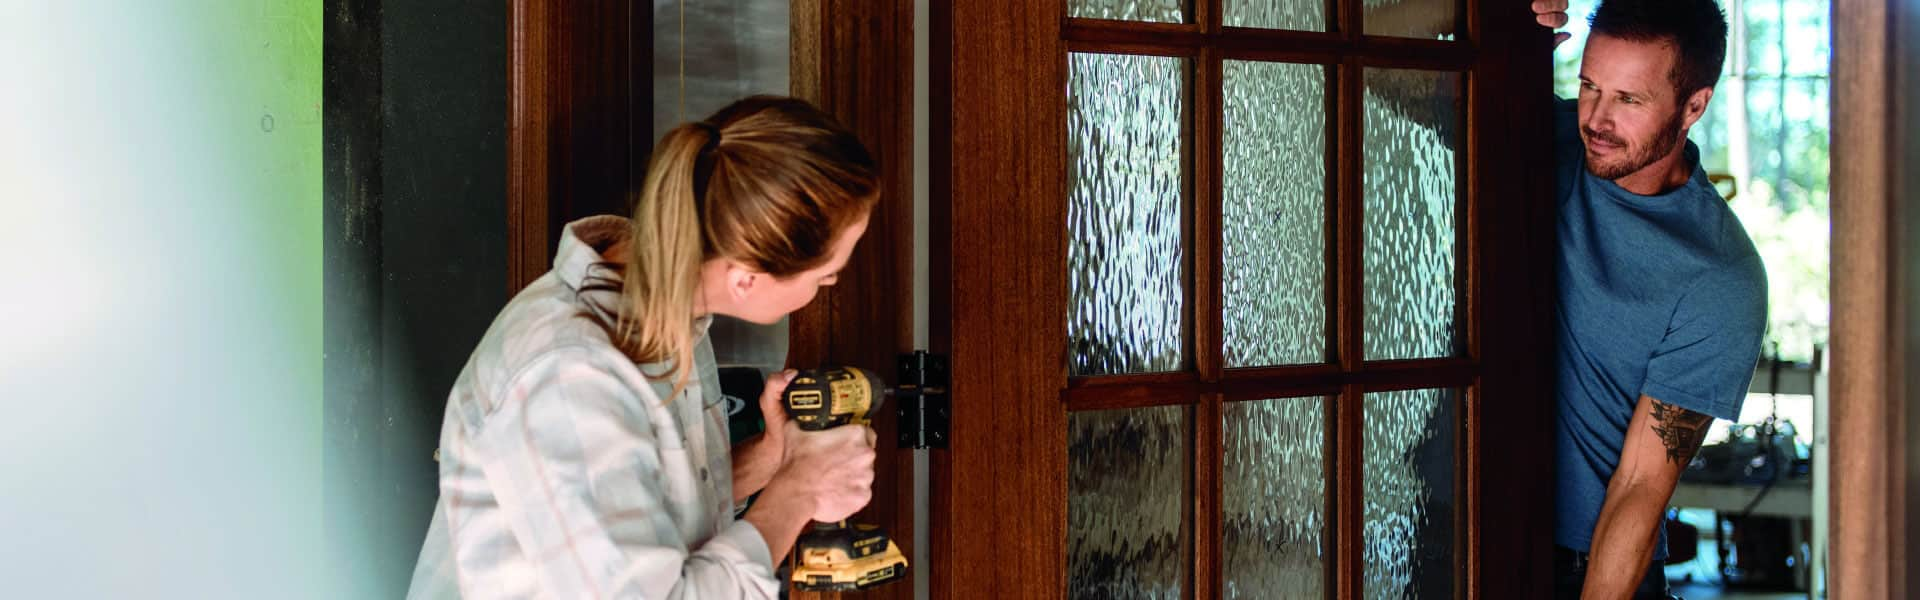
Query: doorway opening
x=1756, y=494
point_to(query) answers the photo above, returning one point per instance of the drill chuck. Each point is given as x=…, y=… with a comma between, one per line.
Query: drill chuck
x=823, y=398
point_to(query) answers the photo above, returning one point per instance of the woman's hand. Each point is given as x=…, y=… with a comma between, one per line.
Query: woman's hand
x=774, y=411
x=828, y=476
x=756, y=459
x=833, y=467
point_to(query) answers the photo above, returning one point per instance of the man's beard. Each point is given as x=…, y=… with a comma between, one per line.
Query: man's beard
x=1637, y=158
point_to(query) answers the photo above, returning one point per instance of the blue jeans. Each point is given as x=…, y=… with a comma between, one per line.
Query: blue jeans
x=1570, y=573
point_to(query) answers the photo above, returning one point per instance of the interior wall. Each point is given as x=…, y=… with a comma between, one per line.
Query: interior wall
x=160, y=311
x=416, y=260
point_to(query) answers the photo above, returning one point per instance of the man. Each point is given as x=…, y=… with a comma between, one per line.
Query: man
x=1662, y=298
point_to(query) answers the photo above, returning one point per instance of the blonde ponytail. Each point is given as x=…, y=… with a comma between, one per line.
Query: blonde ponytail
x=768, y=182
x=662, y=277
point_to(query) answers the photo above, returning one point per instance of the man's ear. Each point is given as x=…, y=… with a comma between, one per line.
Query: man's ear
x=1696, y=105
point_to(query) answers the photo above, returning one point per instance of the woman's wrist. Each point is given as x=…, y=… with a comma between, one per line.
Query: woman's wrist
x=780, y=513
x=775, y=441
x=755, y=462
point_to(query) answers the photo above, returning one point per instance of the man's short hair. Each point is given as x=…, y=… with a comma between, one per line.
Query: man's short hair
x=1697, y=28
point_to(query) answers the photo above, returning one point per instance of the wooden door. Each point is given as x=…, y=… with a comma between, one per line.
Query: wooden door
x=1243, y=299
x=854, y=59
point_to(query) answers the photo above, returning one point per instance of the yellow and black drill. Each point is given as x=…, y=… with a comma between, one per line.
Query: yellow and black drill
x=838, y=556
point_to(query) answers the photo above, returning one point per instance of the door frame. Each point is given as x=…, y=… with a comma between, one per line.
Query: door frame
x=1874, y=516
x=579, y=120
x=992, y=535
x=854, y=60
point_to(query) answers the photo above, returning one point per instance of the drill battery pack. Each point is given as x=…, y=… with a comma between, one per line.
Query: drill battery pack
x=838, y=557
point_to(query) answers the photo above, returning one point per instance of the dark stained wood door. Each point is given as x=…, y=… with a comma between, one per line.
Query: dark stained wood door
x=1242, y=299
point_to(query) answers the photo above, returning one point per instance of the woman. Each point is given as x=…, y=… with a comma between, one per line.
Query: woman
x=584, y=453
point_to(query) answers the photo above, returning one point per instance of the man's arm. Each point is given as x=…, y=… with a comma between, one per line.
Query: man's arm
x=1661, y=440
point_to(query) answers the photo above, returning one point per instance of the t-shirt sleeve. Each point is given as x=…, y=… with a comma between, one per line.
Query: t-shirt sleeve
x=1706, y=361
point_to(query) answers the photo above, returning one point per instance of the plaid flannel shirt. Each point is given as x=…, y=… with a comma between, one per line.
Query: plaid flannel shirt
x=563, y=474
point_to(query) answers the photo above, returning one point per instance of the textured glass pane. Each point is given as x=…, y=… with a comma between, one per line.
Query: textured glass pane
x=1302, y=15
x=1274, y=512
x=1126, y=481
x=1158, y=11
x=1124, y=255
x=1274, y=183
x=1429, y=19
x=1413, y=133
x=1409, y=480
x=708, y=54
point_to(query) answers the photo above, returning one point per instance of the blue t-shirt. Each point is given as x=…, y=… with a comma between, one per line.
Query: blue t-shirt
x=1658, y=295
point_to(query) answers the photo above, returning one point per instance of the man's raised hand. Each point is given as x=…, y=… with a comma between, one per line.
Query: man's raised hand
x=1552, y=14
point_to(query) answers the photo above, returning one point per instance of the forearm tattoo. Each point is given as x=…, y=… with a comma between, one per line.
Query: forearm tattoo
x=1681, y=430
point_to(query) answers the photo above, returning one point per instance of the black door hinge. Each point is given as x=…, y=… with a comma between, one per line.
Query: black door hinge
x=921, y=399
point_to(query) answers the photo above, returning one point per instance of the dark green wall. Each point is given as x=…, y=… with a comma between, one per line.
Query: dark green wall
x=415, y=100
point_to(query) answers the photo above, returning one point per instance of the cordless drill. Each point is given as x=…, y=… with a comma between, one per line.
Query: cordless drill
x=838, y=556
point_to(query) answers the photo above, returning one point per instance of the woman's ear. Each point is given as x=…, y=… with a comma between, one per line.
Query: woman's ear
x=741, y=281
